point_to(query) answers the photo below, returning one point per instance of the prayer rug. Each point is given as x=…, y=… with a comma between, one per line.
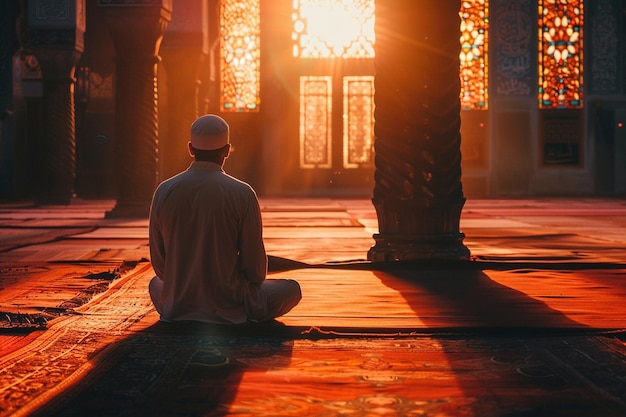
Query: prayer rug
x=161, y=372
x=114, y=358
x=53, y=359
x=33, y=294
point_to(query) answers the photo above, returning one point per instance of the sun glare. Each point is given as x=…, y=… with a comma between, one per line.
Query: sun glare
x=333, y=28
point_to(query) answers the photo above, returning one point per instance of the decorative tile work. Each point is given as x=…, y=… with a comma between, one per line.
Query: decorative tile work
x=512, y=34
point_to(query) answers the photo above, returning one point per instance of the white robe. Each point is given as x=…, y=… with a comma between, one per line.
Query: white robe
x=206, y=247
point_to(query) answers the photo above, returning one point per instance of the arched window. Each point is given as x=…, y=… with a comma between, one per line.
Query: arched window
x=474, y=47
x=326, y=30
x=560, y=54
x=240, y=55
x=333, y=28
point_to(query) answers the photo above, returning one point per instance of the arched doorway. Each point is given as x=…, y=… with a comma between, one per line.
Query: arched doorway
x=327, y=81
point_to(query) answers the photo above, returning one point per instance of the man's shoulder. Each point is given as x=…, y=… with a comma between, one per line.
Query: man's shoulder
x=241, y=191
x=188, y=180
x=238, y=183
x=171, y=181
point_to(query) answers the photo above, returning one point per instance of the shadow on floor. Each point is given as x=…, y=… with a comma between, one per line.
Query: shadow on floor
x=512, y=363
x=169, y=370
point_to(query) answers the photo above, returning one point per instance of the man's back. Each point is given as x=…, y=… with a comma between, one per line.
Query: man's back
x=205, y=243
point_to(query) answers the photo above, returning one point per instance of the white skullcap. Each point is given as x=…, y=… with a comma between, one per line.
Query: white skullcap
x=209, y=132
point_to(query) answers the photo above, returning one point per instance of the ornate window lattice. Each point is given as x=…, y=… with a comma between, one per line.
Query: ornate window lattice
x=315, y=122
x=333, y=28
x=474, y=47
x=240, y=59
x=358, y=121
x=560, y=54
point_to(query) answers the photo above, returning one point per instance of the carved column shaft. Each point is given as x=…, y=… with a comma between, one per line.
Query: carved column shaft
x=56, y=34
x=137, y=129
x=56, y=147
x=418, y=194
x=137, y=31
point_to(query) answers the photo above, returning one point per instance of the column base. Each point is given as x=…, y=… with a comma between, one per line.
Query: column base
x=409, y=231
x=395, y=248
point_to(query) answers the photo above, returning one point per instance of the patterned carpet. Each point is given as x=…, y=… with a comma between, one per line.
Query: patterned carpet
x=58, y=357
x=532, y=326
x=193, y=374
x=116, y=359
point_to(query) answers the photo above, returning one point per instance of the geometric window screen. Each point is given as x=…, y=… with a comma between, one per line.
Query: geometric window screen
x=316, y=130
x=473, y=56
x=240, y=55
x=315, y=121
x=333, y=28
x=560, y=54
x=328, y=29
x=358, y=121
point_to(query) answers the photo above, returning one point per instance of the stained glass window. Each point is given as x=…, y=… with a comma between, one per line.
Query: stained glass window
x=315, y=122
x=333, y=28
x=560, y=54
x=240, y=59
x=358, y=121
x=474, y=75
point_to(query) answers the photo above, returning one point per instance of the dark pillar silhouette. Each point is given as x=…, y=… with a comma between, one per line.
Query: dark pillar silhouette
x=184, y=50
x=418, y=194
x=137, y=29
x=9, y=11
x=56, y=35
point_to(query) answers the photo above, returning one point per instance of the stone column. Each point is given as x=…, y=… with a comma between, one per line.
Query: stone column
x=418, y=194
x=8, y=45
x=137, y=28
x=184, y=50
x=56, y=35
